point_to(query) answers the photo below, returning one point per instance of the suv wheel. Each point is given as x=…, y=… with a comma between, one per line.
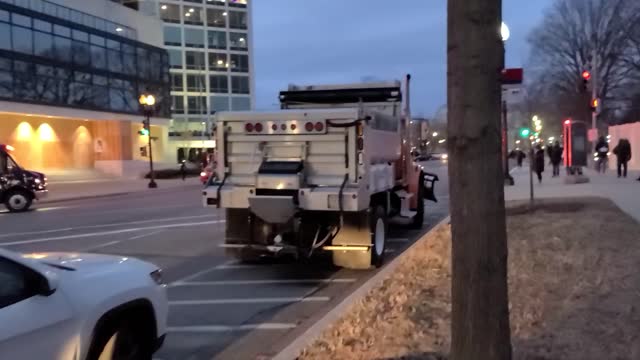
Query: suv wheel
x=18, y=201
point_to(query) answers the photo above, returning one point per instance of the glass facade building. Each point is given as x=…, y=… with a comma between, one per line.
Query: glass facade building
x=208, y=42
x=54, y=55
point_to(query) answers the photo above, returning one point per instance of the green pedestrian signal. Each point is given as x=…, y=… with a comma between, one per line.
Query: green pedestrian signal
x=143, y=132
x=524, y=132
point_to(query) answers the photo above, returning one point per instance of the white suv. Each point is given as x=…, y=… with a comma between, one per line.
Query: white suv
x=67, y=306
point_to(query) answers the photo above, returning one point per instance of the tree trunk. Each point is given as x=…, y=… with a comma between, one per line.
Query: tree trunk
x=480, y=313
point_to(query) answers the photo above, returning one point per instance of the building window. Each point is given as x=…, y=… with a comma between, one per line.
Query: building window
x=216, y=18
x=22, y=39
x=219, y=103
x=194, y=38
x=217, y=39
x=98, y=57
x=218, y=84
x=176, y=82
x=195, y=60
x=43, y=44
x=177, y=104
x=195, y=83
x=172, y=36
x=239, y=85
x=129, y=61
x=193, y=1
x=170, y=13
x=175, y=58
x=62, y=48
x=240, y=103
x=5, y=40
x=215, y=2
x=239, y=63
x=238, y=41
x=238, y=3
x=192, y=15
x=196, y=105
x=237, y=19
x=218, y=62
x=81, y=53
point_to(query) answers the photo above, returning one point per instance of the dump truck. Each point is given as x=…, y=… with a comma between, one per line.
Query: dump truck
x=326, y=172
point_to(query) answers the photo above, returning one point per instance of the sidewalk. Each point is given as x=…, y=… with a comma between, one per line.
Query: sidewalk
x=105, y=187
x=623, y=192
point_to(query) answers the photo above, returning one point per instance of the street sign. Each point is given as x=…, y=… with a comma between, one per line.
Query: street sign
x=512, y=89
x=512, y=76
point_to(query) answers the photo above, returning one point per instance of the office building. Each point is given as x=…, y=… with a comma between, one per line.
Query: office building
x=209, y=45
x=70, y=80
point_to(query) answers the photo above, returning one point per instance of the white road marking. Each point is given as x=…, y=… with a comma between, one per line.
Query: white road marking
x=236, y=266
x=263, y=282
x=226, y=328
x=250, y=301
x=51, y=208
x=113, y=232
x=105, y=225
x=119, y=241
x=205, y=271
x=398, y=240
x=389, y=251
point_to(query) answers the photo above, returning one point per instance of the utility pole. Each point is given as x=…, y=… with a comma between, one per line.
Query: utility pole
x=480, y=314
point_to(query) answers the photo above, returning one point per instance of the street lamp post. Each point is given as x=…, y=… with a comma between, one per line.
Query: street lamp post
x=148, y=101
x=505, y=33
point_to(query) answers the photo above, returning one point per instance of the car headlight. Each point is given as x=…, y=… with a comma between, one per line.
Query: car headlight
x=156, y=276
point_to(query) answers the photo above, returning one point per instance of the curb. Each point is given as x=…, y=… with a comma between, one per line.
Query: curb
x=293, y=350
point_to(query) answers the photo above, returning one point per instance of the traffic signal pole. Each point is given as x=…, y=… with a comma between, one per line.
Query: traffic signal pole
x=594, y=95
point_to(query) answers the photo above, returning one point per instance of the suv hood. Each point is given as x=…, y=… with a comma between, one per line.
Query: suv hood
x=77, y=261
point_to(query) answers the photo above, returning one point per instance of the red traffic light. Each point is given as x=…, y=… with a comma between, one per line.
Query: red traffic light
x=586, y=75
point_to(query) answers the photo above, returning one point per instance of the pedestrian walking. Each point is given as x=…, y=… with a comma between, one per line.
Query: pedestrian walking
x=520, y=157
x=555, y=153
x=602, y=150
x=183, y=170
x=623, y=153
x=538, y=162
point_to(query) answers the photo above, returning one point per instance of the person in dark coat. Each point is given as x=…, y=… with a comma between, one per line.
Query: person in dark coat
x=623, y=153
x=602, y=149
x=538, y=163
x=520, y=155
x=555, y=155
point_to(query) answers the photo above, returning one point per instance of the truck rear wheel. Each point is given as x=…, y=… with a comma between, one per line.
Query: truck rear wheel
x=363, y=229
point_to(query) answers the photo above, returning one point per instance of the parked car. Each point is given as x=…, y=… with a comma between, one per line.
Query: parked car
x=18, y=186
x=63, y=306
x=444, y=157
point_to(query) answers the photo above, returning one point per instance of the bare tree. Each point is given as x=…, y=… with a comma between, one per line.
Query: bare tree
x=480, y=314
x=572, y=33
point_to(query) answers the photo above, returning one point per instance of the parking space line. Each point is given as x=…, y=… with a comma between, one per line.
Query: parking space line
x=202, y=272
x=250, y=301
x=113, y=232
x=119, y=241
x=389, y=251
x=226, y=328
x=105, y=225
x=263, y=282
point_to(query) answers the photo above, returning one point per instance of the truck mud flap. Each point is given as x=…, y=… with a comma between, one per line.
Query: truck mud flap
x=429, y=184
x=354, y=233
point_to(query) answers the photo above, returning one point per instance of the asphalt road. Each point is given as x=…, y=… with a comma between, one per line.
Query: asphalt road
x=218, y=307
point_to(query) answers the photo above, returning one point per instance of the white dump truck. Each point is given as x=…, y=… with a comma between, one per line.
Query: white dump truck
x=325, y=173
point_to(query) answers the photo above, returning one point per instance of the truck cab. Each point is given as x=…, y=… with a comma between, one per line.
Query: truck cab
x=18, y=186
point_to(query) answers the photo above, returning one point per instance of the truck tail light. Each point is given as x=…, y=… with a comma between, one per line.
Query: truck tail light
x=294, y=127
x=319, y=126
x=274, y=127
x=258, y=127
x=248, y=127
x=308, y=126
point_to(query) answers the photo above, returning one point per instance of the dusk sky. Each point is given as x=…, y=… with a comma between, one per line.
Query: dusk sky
x=338, y=41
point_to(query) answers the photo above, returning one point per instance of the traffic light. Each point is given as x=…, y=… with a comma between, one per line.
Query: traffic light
x=594, y=105
x=524, y=132
x=143, y=132
x=586, y=76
